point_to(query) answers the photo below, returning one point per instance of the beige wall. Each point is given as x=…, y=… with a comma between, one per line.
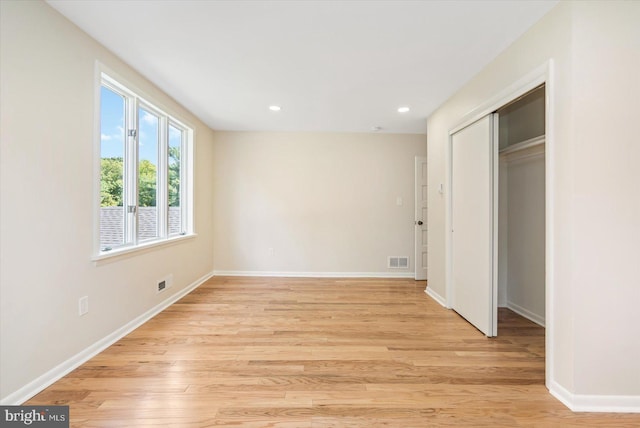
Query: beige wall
x=47, y=201
x=593, y=197
x=324, y=202
x=606, y=197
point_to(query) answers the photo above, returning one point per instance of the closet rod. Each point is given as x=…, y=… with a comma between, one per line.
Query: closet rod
x=536, y=141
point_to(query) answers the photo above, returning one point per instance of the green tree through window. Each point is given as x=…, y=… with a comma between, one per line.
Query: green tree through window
x=147, y=183
x=111, y=182
x=174, y=176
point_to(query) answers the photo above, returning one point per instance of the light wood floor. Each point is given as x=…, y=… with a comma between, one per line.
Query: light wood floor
x=318, y=353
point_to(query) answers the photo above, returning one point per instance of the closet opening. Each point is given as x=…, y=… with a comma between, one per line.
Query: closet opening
x=521, y=215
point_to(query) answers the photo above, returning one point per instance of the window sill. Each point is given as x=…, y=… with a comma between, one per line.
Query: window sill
x=122, y=253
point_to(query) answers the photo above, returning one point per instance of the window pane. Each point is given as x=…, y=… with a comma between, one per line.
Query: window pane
x=175, y=149
x=149, y=125
x=142, y=173
x=112, y=137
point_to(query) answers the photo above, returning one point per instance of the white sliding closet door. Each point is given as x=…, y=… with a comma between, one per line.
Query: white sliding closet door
x=474, y=286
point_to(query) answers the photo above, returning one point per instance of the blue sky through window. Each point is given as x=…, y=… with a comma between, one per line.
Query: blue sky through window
x=148, y=136
x=112, y=133
x=111, y=124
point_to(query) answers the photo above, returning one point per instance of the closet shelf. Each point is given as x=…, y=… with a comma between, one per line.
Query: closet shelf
x=532, y=142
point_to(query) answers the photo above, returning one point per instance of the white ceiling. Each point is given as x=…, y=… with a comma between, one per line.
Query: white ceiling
x=343, y=66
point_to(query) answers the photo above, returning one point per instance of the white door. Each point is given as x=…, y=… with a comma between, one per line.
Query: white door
x=474, y=286
x=420, y=256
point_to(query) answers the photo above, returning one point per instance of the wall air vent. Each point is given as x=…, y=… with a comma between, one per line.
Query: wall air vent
x=398, y=262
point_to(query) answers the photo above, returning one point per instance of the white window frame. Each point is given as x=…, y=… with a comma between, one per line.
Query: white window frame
x=134, y=100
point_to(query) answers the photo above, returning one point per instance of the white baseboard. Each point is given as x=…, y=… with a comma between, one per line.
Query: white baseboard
x=526, y=313
x=435, y=296
x=596, y=403
x=315, y=274
x=32, y=388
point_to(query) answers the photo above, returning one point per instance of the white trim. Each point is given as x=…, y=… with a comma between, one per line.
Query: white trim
x=518, y=88
x=531, y=316
x=495, y=209
x=435, y=296
x=550, y=183
x=418, y=199
x=97, y=144
x=596, y=403
x=124, y=252
x=253, y=273
x=32, y=388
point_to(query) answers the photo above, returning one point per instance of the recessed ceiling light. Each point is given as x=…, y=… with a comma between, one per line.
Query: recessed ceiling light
x=403, y=109
x=275, y=108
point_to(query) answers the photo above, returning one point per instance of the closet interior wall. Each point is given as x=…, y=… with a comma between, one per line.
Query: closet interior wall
x=521, y=215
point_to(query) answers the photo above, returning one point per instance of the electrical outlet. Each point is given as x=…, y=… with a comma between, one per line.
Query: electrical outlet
x=83, y=305
x=271, y=252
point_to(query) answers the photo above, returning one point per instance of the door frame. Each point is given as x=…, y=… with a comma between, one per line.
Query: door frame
x=543, y=74
x=419, y=229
